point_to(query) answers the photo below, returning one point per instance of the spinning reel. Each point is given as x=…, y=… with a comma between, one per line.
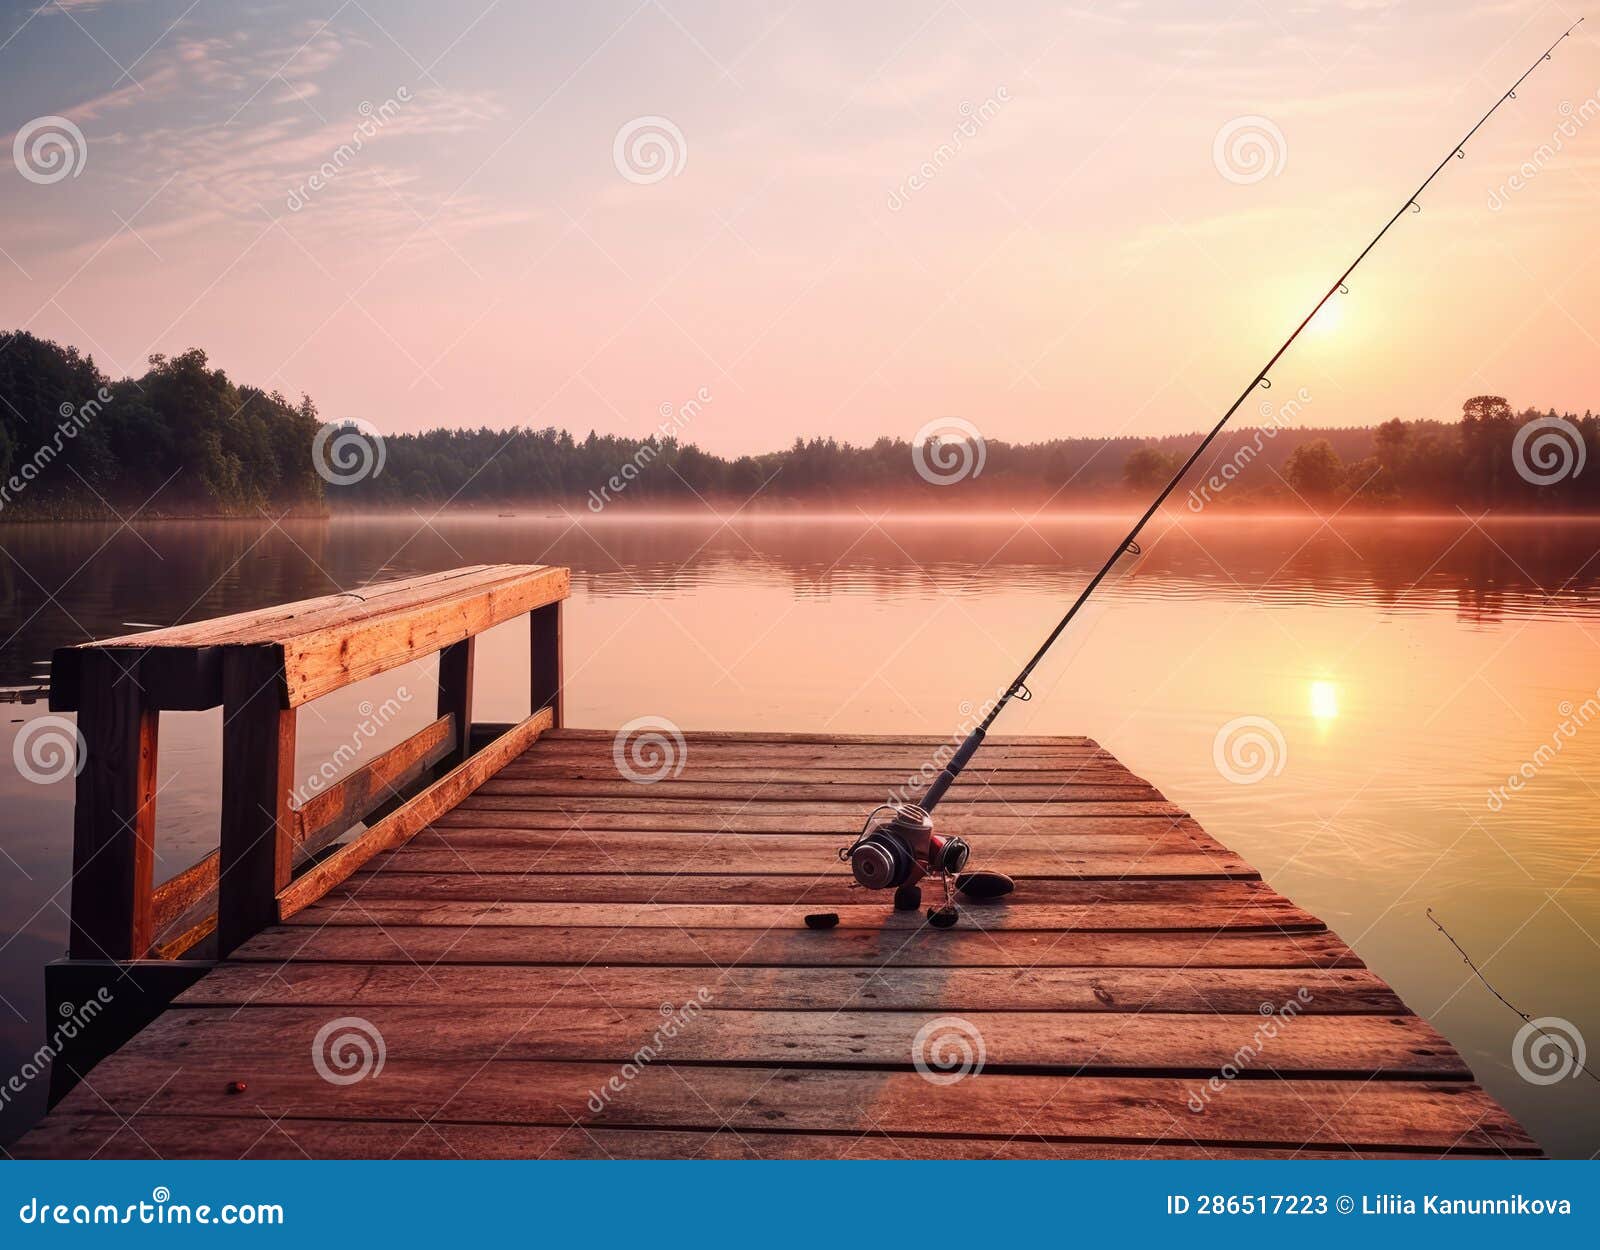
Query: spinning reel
x=900, y=849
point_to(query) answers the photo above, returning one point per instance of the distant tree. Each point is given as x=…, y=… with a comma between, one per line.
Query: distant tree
x=1147, y=468
x=1389, y=442
x=1314, y=469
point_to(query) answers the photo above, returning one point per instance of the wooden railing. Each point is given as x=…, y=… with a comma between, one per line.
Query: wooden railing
x=260, y=667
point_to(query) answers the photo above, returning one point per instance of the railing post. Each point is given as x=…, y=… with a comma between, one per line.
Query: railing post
x=455, y=696
x=545, y=657
x=257, y=844
x=114, y=820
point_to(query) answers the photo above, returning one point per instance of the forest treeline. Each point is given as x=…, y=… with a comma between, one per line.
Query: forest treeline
x=184, y=439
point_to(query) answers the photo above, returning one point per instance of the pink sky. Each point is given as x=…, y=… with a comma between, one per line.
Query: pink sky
x=1076, y=264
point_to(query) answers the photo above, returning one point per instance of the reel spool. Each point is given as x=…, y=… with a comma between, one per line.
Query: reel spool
x=897, y=851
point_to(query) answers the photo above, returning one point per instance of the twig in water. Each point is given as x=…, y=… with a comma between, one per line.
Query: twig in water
x=1477, y=972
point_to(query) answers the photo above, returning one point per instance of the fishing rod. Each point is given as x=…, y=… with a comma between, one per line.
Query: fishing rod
x=902, y=849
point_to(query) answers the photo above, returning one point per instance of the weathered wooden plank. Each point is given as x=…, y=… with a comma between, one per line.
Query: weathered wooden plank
x=805, y=792
x=184, y=662
x=1276, y=914
x=812, y=892
x=694, y=736
x=649, y=799
x=1176, y=857
x=405, y=820
x=108, y=1136
x=884, y=780
x=809, y=891
x=427, y=944
x=1164, y=991
x=1198, y=1046
x=1336, y=1113
x=326, y=815
x=335, y=655
x=482, y=811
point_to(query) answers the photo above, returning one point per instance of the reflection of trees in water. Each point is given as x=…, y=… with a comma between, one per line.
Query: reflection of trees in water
x=64, y=583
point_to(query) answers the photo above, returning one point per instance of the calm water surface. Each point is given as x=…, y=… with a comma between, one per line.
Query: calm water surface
x=1410, y=667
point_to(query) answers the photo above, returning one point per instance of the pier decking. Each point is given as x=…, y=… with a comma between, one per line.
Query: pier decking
x=552, y=960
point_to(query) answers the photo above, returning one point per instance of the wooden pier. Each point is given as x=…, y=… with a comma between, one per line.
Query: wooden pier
x=538, y=955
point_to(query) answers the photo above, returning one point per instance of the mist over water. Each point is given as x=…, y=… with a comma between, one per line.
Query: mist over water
x=1420, y=688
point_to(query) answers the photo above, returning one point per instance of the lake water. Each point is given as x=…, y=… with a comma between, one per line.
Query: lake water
x=1409, y=668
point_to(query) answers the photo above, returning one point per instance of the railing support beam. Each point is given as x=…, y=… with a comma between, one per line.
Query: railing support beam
x=545, y=661
x=114, y=820
x=257, y=837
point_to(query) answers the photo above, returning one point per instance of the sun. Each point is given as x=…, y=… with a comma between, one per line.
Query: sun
x=1324, y=700
x=1329, y=317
